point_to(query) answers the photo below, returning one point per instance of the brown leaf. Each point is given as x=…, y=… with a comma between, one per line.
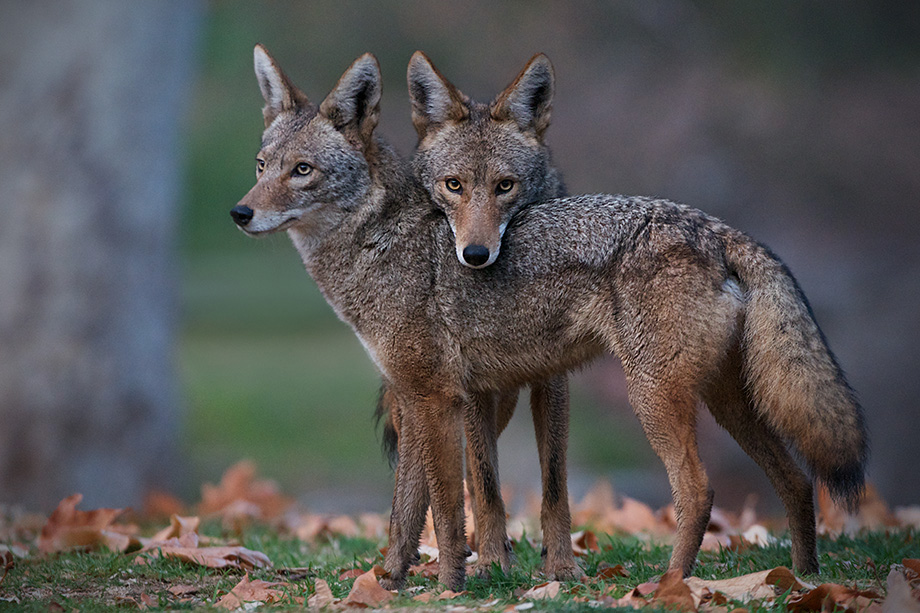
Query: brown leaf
x=69, y=528
x=178, y=527
x=673, y=592
x=450, y=594
x=367, y=592
x=584, y=542
x=159, y=505
x=900, y=599
x=912, y=563
x=828, y=596
x=351, y=573
x=543, y=591
x=251, y=591
x=753, y=586
x=428, y=570
x=240, y=496
x=210, y=557
x=605, y=571
x=322, y=595
x=184, y=590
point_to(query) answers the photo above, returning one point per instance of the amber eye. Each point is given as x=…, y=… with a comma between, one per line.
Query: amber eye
x=303, y=169
x=260, y=165
x=504, y=186
x=453, y=185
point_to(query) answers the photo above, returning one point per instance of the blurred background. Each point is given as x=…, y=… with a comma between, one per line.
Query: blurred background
x=145, y=343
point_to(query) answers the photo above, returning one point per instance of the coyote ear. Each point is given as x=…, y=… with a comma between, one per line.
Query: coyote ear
x=354, y=103
x=280, y=95
x=434, y=99
x=529, y=99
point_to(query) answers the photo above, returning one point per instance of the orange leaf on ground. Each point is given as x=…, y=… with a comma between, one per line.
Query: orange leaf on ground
x=251, y=591
x=351, y=573
x=605, y=571
x=69, y=528
x=240, y=496
x=761, y=585
x=159, y=504
x=911, y=563
x=322, y=595
x=187, y=549
x=178, y=527
x=673, y=592
x=584, y=542
x=900, y=598
x=830, y=596
x=367, y=592
x=543, y=591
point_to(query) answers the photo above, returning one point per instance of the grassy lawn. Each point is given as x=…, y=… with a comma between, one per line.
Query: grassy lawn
x=109, y=581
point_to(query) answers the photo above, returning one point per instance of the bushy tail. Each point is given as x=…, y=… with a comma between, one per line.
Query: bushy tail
x=793, y=377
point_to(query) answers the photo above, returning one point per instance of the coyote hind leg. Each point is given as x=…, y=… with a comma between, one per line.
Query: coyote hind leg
x=668, y=417
x=482, y=432
x=733, y=411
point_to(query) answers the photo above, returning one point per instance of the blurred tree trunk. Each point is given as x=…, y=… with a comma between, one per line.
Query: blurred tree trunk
x=93, y=95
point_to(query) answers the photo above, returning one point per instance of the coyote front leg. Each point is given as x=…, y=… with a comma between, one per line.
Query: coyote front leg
x=410, y=505
x=430, y=443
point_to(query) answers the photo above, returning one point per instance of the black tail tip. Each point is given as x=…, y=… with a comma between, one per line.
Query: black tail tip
x=846, y=485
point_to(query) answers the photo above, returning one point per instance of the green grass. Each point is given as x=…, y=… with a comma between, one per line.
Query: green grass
x=108, y=581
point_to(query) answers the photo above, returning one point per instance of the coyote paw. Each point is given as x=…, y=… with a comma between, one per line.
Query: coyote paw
x=390, y=583
x=565, y=570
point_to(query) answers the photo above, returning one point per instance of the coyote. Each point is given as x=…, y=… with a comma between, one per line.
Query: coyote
x=499, y=163
x=695, y=310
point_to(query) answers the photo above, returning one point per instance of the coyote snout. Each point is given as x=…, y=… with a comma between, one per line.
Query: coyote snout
x=476, y=255
x=241, y=215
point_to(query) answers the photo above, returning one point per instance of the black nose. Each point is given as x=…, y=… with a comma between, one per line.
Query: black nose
x=241, y=214
x=475, y=255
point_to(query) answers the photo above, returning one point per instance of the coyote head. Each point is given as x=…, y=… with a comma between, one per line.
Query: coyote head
x=482, y=162
x=312, y=166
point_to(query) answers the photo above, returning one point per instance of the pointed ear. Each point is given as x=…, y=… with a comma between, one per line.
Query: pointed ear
x=354, y=103
x=277, y=90
x=529, y=99
x=434, y=99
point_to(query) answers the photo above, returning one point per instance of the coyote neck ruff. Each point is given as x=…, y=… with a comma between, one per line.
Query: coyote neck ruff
x=695, y=310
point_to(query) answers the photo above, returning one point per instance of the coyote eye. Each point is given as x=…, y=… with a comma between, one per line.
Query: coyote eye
x=453, y=185
x=260, y=165
x=504, y=186
x=303, y=169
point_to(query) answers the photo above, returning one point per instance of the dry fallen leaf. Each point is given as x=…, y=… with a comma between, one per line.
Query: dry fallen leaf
x=543, y=591
x=322, y=595
x=830, y=596
x=252, y=591
x=674, y=593
x=584, y=542
x=761, y=585
x=186, y=548
x=900, y=599
x=240, y=496
x=179, y=526
x=367, y=592
x=605, y=571
x=69, y=528
x=159, y=505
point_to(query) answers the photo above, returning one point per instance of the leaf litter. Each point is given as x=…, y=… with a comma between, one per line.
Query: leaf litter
x=242, y=500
